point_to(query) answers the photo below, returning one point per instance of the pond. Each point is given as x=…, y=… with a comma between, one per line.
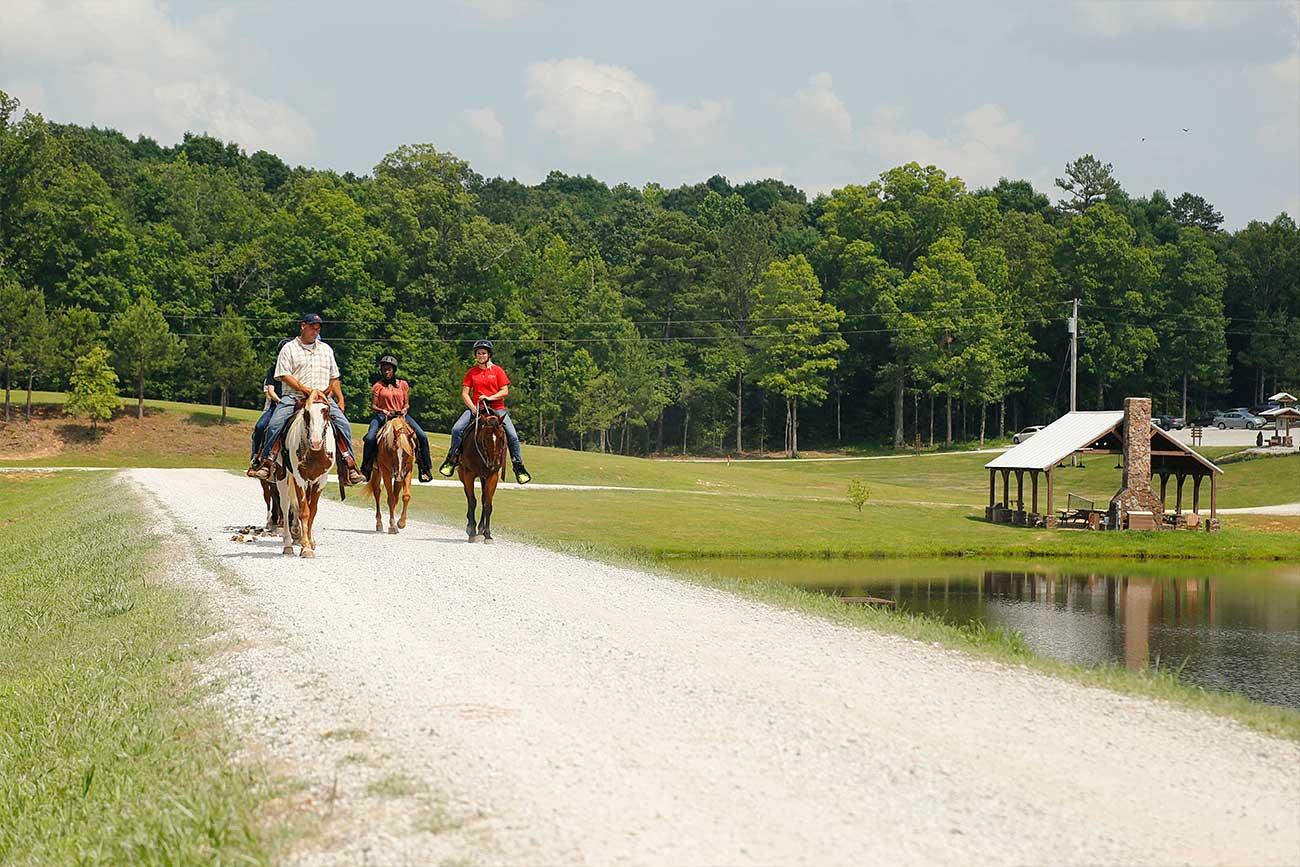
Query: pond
x=1228, y=626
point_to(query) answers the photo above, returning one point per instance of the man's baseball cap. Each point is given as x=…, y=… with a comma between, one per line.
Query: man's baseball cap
x=311, y=318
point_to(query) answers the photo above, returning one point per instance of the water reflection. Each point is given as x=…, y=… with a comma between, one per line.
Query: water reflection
x=1226, y=627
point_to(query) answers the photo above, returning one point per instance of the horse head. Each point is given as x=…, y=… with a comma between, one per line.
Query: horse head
x=316, y=418
x=489, y=440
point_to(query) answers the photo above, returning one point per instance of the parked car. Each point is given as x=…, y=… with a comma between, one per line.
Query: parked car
x=1205, y=419
x=1026, y=433
x=1170, y=422
x=1237, y=418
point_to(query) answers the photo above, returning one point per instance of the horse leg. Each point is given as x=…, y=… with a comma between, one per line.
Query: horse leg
x=468, y=481
x=406, y=500
x=372, y=485
x=309, y=540
x=485, y=523
x=288, y=497
x=390, y=486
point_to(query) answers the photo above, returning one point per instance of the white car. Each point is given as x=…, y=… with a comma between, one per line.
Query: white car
x=1026, y=433
x=1238, y=418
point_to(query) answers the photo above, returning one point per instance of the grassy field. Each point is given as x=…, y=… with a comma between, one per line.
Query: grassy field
x=107, y=755
x=930, y=505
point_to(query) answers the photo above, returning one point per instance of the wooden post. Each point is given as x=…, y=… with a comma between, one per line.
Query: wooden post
x=1178, y=509
x=1196, y=492
x=1050, y=510
x=1034, y=475
x=1006, y=489
x=1020, y=490
x=992, y=483
x=1164, y=484
x=1214, y=500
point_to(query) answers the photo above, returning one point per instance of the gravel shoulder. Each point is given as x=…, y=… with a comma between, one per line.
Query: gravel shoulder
x=506, y=704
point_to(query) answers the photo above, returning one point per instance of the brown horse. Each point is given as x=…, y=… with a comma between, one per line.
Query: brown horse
x=271, y=496
x=482, y=456
x=393, y=465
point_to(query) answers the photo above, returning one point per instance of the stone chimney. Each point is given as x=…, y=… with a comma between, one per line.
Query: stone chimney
x=1136, y=495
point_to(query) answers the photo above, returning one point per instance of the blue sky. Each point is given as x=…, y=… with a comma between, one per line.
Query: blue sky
x=817, y=93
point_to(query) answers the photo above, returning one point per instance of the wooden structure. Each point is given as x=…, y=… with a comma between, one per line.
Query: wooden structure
x=1283, y=416
x=1148, y=452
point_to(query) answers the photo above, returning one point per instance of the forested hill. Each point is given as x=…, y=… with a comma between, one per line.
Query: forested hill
x=640, y=319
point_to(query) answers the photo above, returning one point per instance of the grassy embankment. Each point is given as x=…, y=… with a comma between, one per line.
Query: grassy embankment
x=107, y=753
x=930, y=505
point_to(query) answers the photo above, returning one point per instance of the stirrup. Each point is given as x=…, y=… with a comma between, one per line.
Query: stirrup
x=448, y=469
x=522, y=476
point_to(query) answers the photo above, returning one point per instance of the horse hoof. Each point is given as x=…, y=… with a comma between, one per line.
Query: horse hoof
x=401, y=525
x=487, y=540
x=473, y=539
x=392, y=531
x=288, y=551
x=308, y=554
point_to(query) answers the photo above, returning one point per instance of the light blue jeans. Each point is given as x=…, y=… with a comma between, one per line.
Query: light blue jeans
x=512, y=436
x=283, y=412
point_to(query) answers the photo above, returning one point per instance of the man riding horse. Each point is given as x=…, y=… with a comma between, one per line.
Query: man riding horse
x=487, y=382
x=272, y=391
x=306, y=364
x=391, y=397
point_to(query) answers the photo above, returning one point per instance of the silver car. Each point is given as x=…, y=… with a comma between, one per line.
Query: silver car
x=1237, y=418
x=1026, y=433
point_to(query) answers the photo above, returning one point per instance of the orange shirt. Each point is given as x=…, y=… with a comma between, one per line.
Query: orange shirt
x=390, y=398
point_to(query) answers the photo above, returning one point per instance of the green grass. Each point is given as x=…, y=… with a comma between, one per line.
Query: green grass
x=107, y=753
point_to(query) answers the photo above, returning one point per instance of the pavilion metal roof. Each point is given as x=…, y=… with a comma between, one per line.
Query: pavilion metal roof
x=1283, y=397
x=1057, y=441
x=1282, y=412
x=1072, y=432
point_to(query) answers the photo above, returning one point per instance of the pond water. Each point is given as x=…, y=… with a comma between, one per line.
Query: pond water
x=1230, y=627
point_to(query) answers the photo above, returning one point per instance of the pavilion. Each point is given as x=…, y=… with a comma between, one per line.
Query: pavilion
x=1148, y=451
x=1283, y=416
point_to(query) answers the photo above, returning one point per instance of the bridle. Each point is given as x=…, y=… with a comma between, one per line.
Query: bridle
x=484, y=411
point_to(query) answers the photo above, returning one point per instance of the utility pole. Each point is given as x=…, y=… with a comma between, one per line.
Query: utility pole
x=1074, y=366
x=1074, y=355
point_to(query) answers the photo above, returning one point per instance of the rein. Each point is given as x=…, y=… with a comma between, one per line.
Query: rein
x=487, y=465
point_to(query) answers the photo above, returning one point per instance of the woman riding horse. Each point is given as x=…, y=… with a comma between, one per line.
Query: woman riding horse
x=390, y=397
x=485, y=381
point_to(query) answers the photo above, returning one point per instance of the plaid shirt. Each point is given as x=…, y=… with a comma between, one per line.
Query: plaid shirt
x=313, y=366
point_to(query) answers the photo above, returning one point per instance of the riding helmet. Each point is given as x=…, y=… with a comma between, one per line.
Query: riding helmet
x=483, y=344
x=388, y=359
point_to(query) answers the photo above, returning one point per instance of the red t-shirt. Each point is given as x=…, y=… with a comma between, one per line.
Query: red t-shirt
x=484, y=382
x=390, y=398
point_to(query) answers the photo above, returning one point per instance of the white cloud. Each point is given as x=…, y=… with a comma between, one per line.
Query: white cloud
x=1118, y=18
x=594, y=107
x=984, y=145
x=818, y=113
x=490, y=131
x=498, y=11
x=126, y=64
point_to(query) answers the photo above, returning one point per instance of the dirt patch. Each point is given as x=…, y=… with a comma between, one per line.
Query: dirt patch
x=159, y=435
x=1267, y=523
x=23, y=477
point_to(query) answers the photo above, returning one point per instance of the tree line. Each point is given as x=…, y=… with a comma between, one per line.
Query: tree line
x=712, y=317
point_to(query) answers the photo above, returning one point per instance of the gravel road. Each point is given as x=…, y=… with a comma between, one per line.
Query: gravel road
x=504, y=704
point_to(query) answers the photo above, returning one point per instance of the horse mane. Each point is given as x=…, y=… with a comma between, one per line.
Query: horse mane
x=394, y=431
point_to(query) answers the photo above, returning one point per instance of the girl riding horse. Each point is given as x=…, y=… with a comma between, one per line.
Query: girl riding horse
x=487, y=382
x=390, y=397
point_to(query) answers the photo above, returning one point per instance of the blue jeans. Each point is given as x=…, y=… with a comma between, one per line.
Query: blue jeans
x=259, y=431
x=512, y=436
x=282, y=413
x=372, y=436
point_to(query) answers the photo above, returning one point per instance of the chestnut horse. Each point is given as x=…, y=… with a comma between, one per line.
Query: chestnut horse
x=482, y=456
x=393, y=465
x=271, y=496
x=309, y=453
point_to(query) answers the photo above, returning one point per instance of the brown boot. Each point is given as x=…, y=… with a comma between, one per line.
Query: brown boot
x=265, y=470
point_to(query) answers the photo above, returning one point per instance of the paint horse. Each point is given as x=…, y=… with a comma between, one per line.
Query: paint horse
x=482, y=458
x=393, y=465
x=309, y=454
